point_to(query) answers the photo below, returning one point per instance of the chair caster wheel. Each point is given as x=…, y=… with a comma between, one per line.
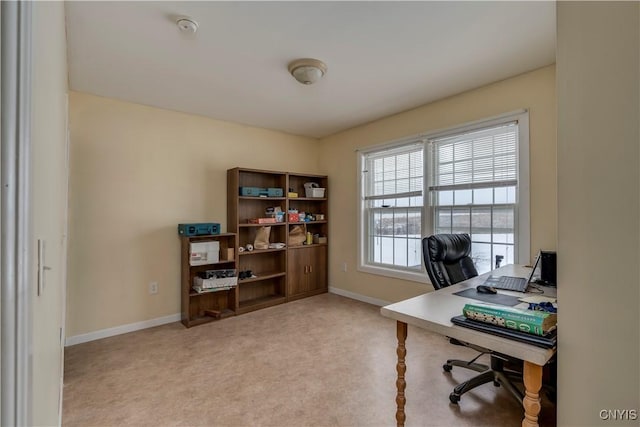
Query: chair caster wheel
x=447, y=368
x=454, y=398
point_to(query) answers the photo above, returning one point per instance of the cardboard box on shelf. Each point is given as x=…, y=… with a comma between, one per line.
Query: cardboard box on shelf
x=201, y=253
x=228, y=254
x=261, y=220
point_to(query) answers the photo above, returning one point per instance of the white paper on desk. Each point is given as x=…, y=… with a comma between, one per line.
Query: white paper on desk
x=537, y=299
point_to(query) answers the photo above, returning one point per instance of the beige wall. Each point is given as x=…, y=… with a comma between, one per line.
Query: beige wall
x=136, y=172
x=534, y=91
x=598, y=211
x=49, y=186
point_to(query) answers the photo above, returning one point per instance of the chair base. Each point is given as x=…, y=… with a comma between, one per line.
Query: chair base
x=495, y=373
x=478, y=367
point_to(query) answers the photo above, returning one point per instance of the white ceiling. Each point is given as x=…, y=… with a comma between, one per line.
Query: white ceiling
x=382, y=57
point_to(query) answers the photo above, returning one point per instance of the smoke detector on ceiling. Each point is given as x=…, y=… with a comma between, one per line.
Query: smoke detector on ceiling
x=187, y=25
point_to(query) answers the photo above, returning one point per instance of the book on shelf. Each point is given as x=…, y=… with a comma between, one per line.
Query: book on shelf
x=529, y=321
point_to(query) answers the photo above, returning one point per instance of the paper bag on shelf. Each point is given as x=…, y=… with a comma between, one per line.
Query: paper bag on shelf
x=262, y=238
x=296, y=235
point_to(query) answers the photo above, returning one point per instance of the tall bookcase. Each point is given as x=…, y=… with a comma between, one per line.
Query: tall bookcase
x=278, y=274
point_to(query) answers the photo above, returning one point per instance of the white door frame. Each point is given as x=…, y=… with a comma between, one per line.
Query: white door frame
x=65, y=241
x=15, y=160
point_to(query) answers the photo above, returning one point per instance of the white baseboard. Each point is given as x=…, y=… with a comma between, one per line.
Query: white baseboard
x=359, y=297
x=131, y=327
x=123, y=329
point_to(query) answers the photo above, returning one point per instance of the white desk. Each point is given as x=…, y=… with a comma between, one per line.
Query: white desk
x=433, y=311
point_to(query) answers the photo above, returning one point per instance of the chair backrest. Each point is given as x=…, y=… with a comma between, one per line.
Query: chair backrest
x=447, y=259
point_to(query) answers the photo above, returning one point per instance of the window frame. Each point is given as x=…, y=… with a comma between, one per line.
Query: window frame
x=522, y=205
x=363, y=218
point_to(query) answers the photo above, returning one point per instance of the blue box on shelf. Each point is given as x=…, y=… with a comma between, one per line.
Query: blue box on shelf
x=251, y=191
x=199, y=229
x=275, y=192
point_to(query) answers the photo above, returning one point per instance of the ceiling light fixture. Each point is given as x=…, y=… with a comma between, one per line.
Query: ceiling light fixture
x=187, y=25
x=307, y=70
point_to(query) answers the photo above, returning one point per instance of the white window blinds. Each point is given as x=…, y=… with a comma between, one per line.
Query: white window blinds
x=475, y=159
x=393, y=183
x=394, y=173
x=474, y=190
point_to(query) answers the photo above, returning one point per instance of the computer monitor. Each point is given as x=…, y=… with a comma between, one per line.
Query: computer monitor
x=544, y=269
x=548, y=268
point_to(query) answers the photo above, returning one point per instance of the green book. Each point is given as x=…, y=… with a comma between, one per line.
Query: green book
x=530, y=321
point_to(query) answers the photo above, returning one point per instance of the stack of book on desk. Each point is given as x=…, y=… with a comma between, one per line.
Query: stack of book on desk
x=530, y=326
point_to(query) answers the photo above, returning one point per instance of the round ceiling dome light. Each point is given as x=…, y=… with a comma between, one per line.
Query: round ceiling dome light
x=307, y=70
x=187, y=25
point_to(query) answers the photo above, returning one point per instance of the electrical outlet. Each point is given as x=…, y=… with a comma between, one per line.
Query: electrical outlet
x=153, y=288
x=344, y=267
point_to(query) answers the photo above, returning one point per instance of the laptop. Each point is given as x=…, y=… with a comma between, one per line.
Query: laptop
x=510, y=283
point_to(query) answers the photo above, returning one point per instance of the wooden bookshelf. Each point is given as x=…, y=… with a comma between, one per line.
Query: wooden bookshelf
x=282, y=274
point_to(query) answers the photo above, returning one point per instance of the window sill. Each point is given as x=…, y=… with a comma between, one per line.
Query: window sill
x=420, y=277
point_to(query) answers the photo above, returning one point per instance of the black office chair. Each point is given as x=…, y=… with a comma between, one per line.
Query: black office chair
x=447, y=259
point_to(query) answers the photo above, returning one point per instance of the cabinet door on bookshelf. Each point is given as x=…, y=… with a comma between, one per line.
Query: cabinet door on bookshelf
x=317, y=276
x=297, y=272
x=307, y=272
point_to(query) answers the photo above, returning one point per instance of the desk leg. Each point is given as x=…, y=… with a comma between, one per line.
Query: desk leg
x=401, y=367
x=532, y=383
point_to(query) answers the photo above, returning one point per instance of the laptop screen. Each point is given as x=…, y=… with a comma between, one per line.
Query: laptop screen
x=535, y=267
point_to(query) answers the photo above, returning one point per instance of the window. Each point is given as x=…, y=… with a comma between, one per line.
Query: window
x=472, y=179
x=473, y=190
x=392, y=207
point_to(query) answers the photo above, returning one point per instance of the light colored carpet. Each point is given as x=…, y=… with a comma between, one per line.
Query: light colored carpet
x=320, y=361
